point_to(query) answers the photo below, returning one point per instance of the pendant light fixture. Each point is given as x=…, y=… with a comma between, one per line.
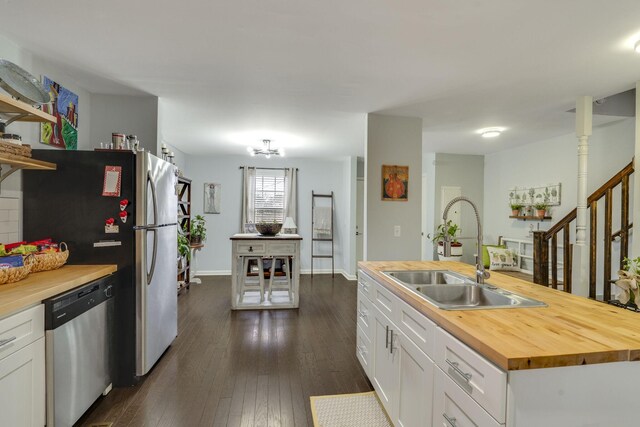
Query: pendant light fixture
x=266, y=150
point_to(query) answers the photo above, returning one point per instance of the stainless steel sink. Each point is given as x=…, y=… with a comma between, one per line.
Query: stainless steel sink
x=453, y=291
x=473, y=297
x=428, y=277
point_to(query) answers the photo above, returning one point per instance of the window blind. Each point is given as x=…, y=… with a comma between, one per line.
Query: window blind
x=269, y=195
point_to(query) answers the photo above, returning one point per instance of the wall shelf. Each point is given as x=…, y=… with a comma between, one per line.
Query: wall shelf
x=530, y=217
x=20, y=162
x=23, y=112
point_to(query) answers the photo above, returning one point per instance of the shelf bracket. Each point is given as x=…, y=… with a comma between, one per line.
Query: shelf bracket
x=15, y=118
x=11, y=170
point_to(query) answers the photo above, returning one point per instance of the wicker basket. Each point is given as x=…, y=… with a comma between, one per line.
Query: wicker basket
x=15, y=274
x=50, y=260
x=15, y=149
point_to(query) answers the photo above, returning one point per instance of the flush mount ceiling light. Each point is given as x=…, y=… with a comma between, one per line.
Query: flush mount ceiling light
x=490, y=132
x=266, y=150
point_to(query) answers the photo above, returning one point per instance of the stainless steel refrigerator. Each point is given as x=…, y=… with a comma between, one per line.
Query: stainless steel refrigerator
x=68, y=205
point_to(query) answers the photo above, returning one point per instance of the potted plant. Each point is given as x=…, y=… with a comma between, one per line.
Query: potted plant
x=515, y=209
x=184, y=250
x=198, y=230
x=450, y=229
x=541, y=209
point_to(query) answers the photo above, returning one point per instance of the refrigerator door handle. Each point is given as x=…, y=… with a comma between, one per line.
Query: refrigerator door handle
x=153, y=197
x=154, y=255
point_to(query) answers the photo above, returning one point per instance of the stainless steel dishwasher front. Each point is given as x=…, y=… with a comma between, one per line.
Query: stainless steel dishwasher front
x=78, y=350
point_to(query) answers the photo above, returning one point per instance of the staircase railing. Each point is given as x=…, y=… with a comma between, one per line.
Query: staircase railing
x=547, y=241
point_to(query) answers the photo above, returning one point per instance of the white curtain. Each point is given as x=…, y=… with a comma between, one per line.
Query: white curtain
x=248, y=194
x=291, y=194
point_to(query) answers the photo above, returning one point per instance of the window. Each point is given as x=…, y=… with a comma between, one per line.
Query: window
x=268, y=202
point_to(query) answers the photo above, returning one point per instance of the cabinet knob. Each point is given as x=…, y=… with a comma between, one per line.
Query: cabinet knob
x=250, y=248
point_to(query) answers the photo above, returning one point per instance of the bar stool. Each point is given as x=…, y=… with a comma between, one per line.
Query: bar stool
x=280, y=283
x=248, y=283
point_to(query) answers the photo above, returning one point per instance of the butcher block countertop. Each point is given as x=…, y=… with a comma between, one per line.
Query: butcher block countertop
x=40, y=286
x=572, y=330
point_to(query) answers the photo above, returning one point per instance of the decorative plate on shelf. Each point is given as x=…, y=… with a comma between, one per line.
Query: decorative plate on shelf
x=22, y=85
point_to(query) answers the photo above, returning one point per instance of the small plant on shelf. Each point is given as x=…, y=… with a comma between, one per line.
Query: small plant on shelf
x=541, y=209
x=515, y=209
x=184, y=250
x=198, y=230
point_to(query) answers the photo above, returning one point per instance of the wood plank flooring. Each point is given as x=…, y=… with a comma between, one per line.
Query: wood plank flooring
x=246, y=368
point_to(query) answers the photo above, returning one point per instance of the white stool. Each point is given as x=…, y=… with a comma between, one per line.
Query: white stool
x=281, y=283
x=248, y=283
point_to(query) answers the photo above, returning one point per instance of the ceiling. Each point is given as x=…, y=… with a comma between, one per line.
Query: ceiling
x=305, y=73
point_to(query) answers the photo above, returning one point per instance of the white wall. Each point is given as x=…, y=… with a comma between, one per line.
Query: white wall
x=393, y=140
x=131, y=115
x=553, y=160
x=30, y=132
x=466, y=172
x=611, y=147
x=428, y=203
x=321, y=176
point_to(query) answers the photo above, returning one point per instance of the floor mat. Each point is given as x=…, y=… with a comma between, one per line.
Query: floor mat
x=348, y=410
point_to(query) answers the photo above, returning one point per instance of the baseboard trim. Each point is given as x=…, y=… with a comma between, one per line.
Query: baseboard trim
x=306, y=271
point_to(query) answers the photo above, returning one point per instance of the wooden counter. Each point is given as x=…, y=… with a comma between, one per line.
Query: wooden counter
x=572, y=330
x=40, y=286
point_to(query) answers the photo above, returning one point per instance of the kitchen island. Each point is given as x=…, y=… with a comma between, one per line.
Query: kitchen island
x=248, y=248
x=575, y=362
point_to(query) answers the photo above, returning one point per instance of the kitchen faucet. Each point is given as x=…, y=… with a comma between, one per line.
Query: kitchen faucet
x=481, y=274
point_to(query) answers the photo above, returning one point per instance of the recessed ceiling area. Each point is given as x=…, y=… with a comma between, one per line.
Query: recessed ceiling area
x=305, y=74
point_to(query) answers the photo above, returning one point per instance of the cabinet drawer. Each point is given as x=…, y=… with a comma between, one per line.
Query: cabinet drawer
x=365, y=284
x=281, y=248
x=21, y=329
x=386, y=301
x=417, y=327
x=250, y=248
x=478, y=377
x=363, y=350
x=365, y=314
x=453, y=407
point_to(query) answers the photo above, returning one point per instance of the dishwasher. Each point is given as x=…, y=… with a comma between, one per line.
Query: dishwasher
x=78, y=350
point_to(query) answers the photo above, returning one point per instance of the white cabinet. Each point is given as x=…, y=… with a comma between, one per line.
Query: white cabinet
x=400, y=371
x=415, y=388
x=452, y=407
x=384, y=368
x=22, y=369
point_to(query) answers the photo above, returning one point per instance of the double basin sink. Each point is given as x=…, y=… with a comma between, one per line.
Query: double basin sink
x=452, y=291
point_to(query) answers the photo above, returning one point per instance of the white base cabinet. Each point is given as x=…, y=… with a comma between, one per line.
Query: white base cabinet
x=22, y=369
x=399, y=370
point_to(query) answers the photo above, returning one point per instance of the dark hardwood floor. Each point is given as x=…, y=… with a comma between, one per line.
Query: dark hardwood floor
x=246, y=368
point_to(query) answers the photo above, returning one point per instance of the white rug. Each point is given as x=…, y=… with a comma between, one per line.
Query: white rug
x=348, y=410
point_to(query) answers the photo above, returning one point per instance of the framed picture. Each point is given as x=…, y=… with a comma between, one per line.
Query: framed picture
x=395, y=183
x=211, y=198
x=64, y=106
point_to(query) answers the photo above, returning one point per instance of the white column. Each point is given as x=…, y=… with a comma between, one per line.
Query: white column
x=635, y=242
x=583, y=131
x=580, y=267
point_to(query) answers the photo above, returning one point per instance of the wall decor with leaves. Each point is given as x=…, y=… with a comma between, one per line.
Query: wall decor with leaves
x=529, y=196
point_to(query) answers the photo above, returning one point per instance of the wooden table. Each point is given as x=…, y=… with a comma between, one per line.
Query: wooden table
x=253, y=245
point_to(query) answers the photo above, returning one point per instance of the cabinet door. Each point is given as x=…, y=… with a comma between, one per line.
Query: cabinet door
x=415, y=388
x=22, y=387
x=452, y=407
x=384, y=372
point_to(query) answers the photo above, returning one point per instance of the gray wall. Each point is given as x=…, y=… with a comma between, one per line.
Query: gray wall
x=393, y=140
x=467, y=172
x=321, y=176
x=131, y=115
